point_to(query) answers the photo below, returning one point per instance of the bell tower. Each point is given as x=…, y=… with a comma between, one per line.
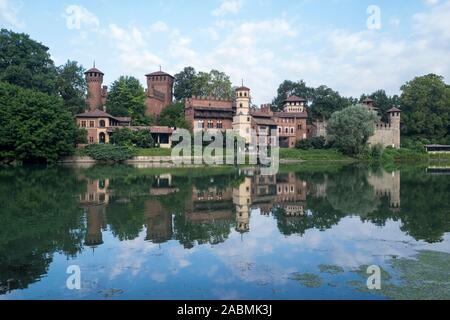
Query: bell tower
x=242, y=119
x=94, y=79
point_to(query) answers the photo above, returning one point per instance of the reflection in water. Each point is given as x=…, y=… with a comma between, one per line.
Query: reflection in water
x=66, y=211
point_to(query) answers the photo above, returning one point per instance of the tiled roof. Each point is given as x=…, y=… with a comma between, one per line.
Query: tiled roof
x=394, y=109
x=158, y=73
x=242, y=88
x=94, y=114
x=94, y=70
x=294, y=98
x=264, y=122
x=291, y=114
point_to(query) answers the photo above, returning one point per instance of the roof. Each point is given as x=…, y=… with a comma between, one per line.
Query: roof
x=368, y=100
x=123, y=119
x=159, y=129
x=261, y=114
x=94, y=70
x=95, y=114
x=394, y=109
x=294, y=98
x=264, y=122
x=158, y=73
x=242, y=88
x=291, y=114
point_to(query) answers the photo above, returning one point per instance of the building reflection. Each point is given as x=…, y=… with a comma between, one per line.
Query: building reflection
x=211, y=204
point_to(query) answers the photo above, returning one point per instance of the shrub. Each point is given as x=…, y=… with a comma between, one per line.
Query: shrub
x=126, y=137
x=313, y=143
x=109, y=153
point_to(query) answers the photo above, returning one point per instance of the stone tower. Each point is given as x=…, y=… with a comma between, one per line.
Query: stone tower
x=159, y=92
x=394, y=120
x=242, y=119
x=242, y=201
x=96, y=93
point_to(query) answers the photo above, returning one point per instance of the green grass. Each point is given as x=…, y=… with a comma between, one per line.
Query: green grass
x=156, y=152
x=309, y=155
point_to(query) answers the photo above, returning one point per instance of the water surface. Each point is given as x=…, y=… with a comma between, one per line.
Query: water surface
x=307, y=233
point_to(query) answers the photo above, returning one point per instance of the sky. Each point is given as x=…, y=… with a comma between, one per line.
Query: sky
x=352, y=46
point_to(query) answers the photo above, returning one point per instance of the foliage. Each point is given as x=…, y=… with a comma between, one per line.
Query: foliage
x=109, y=153
x=26, y=63
x=312, y=143
x=173, y=116
x=72, y=86
x=128, y=137
x=34, y=126
x=189, y=83
x=350, y=129
x=308, y=155
x=126, y=98
x=425, y=102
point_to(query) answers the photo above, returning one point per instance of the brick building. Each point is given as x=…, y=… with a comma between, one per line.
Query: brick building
x=159, y=92
x=207, y=113
x=97, y=94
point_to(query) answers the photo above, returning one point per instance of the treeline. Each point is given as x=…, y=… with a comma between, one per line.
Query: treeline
x=425, y=102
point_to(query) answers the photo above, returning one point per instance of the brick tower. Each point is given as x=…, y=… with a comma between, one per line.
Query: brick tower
x=159, y=92
x=96, y=93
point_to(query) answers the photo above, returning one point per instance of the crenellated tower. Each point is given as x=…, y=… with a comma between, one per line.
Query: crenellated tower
x=96, y=93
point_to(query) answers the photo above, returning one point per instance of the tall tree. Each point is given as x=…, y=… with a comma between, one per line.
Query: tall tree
x=26, y=63
x=425, y=102
x=184, y=83
x=34, y=126
x=72, y=86
x=326, y=101
x=350, y=129
x=127, y=99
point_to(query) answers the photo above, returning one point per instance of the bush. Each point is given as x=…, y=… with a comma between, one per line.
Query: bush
x=109, y=153
x=313, y=143
x=128, y=138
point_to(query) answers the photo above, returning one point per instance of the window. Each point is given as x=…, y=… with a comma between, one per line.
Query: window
x=279, y=129
x=300, y=127
x=200, y=125
x=219, y=125
x=245, y=94
x=210, y=124
x=241, y=106
x=286, y=130
x=102, y=123
x=292, y=130
x=83, y=124
x=92, y=124
x=91, y=139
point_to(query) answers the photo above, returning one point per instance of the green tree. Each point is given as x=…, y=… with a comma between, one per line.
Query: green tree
x=326, y=101
x=173, y=116
x=184, y=83
x=127, y=99
x=34, y=126
x=425, y=102
x=350, y=129
x=72, y=86
x=128, y=137
x=26, y=63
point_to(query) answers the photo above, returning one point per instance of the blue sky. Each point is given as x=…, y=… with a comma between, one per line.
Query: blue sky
x=262, y=41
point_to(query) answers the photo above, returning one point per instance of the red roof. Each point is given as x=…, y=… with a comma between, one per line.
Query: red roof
x=294, y=98
x=92, y=70
x=94, y=114
x=242, y=88
x=394, y=109
x=291, y=114
x=158, y=73
x=158, y=129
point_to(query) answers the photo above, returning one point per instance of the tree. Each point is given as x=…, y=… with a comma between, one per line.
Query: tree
x=189, y=83
x=326, y=101
x=72, y=86
x=350, y=129
x=26, y=63
x=425, y=102
x=127, y=137
x=184, y=82
x=173, y=116
x=34, y=126
x=127, y=99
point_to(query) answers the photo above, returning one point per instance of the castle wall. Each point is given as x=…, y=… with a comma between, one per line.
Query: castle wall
x=386, y=135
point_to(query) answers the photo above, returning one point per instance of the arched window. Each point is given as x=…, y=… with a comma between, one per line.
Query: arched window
x=102, y=123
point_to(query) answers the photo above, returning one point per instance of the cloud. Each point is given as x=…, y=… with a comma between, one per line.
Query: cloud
x=8, y=14
x=228, y=6
x=431, y=2
x=78, y=17
x=159, y=26
x=134, y=54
